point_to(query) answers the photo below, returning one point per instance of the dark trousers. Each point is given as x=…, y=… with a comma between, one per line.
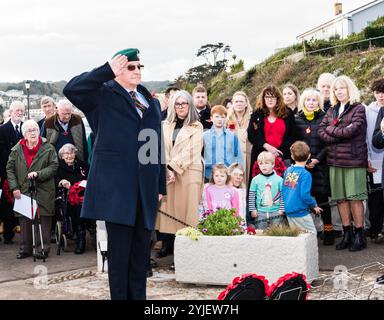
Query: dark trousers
x=8, y=217
x=128, y=252
x=322, y=202
x=26, y=240
x=376, y=209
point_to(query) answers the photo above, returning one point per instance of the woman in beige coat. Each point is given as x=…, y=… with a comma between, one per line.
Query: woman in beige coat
x=183, y=141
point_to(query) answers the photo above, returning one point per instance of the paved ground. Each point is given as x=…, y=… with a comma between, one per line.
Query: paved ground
x=71, y=276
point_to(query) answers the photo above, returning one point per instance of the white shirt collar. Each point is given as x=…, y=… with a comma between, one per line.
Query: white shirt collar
x=14, y=125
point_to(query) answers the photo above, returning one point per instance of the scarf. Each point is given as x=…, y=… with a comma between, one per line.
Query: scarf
x=309, y=115
x=30, y=153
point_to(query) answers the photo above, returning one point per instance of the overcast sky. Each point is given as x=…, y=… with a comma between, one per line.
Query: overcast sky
x=56, y=40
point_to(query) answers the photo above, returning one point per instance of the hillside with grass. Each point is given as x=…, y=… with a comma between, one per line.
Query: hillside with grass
x=301, y=64
x=362, y=66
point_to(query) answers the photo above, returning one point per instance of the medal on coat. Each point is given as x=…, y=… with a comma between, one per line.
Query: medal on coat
x=65, y=133
x=308, y=130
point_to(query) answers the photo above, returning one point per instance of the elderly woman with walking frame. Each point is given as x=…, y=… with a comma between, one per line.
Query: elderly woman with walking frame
x=33, y=158
x=70, y=173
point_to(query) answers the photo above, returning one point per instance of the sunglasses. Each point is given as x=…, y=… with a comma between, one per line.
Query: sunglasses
x=133, y=67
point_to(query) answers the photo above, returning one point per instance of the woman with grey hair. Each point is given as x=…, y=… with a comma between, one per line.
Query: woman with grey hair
x=324, y=84
x=71, y=172
x=33, y=158
x=183, y=141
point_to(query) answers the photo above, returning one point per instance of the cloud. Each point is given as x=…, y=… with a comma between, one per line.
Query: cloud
x=55, y=40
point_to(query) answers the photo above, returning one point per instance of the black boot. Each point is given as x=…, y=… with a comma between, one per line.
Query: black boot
x=359, y=242
x=347, y=238
x=167, y=247
x=329, y=236
x=80, y=241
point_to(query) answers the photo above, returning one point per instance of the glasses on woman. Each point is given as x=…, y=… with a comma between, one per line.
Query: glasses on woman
x=181, y=105
x=270, y=98
x=32, y=130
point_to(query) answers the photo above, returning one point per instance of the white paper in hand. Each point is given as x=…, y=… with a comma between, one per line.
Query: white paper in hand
x=23, y=206
x=83, y=184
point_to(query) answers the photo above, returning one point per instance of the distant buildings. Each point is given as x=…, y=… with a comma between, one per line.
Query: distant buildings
x=345, y=24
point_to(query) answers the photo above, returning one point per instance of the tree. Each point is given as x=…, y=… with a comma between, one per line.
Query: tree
x=213, y=50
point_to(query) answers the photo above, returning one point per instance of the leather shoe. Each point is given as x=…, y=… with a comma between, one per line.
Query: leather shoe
x=153, y=263
x=163, y=252
x=23, y=255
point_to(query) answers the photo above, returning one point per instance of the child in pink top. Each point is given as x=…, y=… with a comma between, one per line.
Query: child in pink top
x=217, y=193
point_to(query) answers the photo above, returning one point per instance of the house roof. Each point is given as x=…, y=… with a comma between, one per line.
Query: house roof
x=341, y=17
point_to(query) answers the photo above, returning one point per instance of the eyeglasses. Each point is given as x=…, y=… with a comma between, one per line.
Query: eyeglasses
x=32, y=130
x=132, y=67
x=181, y=105
x=67, y=153
x=270, y=98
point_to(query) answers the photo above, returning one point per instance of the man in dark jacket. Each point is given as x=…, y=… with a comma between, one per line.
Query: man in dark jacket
x=48, y=106
x=200, y=98
x=124, y=183
x=10, y=134
x=66, y=127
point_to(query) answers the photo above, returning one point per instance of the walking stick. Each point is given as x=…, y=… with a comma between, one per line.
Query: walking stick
x=36, y=220
x=32, y=189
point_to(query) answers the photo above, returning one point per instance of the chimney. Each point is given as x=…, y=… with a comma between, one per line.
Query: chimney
x=338, y=8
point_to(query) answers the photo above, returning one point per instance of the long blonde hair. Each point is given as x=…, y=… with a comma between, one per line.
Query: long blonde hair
x=353, y=91
x=231, y=118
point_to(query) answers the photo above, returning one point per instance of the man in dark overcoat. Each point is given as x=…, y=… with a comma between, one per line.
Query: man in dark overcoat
x=127, y=177
x=10, y=134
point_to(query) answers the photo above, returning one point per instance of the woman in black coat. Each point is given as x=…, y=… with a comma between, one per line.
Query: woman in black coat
x=271, y=127
x=71, y=171
x=307, y=122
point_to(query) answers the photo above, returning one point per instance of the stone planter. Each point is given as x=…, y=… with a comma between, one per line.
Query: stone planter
x=218, y=259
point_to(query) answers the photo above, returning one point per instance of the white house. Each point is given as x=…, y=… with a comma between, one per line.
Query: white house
x=345, y=24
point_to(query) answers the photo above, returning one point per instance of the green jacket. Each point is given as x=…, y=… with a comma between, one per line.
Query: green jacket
x=45, y=164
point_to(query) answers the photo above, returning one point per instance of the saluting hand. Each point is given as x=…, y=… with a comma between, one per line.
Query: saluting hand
x=118, y=64
x=382, y=125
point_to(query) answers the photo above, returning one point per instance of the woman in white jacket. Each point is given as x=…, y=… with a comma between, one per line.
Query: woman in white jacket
x=375, y=159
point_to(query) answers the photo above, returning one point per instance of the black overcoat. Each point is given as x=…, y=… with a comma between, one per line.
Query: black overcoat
x=116, y=178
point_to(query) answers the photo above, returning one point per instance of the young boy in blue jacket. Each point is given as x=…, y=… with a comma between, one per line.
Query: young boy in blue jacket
x=220, y=144
x=296, y=190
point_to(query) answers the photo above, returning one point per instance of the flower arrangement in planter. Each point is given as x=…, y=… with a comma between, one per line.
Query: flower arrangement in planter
x=218, y=255
x=222, y=222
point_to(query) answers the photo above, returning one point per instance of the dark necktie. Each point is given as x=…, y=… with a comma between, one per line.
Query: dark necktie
x=138, y=104
x=18, y=134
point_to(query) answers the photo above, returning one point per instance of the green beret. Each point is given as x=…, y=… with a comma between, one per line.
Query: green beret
x=131, y=53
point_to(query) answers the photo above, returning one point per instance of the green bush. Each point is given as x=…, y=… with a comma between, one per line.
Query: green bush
x=281, y=231
x=222, y=222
